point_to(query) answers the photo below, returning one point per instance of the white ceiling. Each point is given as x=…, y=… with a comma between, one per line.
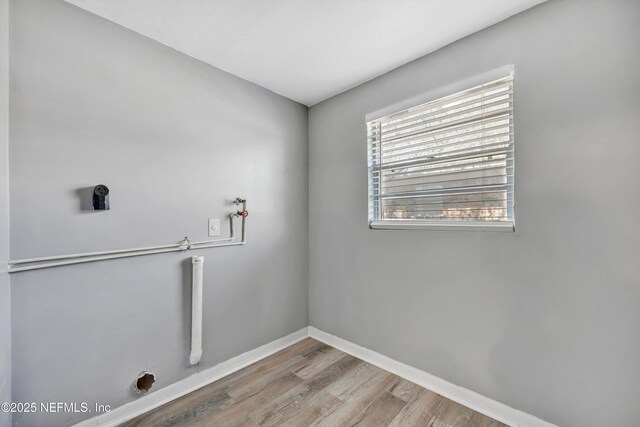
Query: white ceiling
x=306, y=50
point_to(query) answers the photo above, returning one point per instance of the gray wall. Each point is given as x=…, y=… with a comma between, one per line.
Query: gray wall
x=175, y=140
x=544, y=319
x=5, y=290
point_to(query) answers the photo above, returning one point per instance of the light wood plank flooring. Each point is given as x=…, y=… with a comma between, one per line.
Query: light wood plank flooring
x=312, y=384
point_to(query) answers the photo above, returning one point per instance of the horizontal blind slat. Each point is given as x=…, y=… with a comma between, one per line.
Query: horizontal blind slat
x=397, y=183
x=454, y=203
x=494, y=85
x=427, y=196
x=465, y=122
x=479, y=189
x=452, y=158
x=485, y=124
x=502, y=132
x=431, y=112
x=441, y=172
x=436, y=174
x=453, y=151
x=484, y=107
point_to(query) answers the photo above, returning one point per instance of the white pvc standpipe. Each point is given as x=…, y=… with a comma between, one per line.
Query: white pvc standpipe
x=196, y=309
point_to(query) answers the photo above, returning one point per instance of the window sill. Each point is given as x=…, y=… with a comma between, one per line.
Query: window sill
x=399, y=224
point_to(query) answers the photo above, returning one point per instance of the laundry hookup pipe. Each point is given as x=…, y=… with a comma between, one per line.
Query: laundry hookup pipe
x=196, y=309
x=26, y=264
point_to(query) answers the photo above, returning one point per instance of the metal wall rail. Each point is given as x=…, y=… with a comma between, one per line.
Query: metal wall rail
x=15, y=266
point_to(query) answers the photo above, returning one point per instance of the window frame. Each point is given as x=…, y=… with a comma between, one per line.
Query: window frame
x=444, y=225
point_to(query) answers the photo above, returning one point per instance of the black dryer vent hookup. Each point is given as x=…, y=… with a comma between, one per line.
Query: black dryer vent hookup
x=100, y=198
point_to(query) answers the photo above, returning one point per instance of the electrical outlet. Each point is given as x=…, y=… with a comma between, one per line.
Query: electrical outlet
x=214, y=227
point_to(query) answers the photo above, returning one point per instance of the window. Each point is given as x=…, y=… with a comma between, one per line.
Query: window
x=447, y=163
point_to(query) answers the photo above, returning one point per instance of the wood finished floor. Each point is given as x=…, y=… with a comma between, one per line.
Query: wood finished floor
x=312, y=384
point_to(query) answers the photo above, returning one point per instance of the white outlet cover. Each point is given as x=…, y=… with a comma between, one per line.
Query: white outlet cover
x=214, y=227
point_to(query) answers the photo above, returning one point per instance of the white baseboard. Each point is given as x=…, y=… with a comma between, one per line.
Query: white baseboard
x=468, y=398
x=131, y=410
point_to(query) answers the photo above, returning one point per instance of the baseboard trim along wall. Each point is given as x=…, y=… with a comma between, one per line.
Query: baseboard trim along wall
x=468, y=398
x=178, y=389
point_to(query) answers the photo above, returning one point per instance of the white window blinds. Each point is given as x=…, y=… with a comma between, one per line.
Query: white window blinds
x=448, y=162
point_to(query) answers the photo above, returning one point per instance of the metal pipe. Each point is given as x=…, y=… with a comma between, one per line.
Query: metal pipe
x=15, y=266
x=244, y=222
